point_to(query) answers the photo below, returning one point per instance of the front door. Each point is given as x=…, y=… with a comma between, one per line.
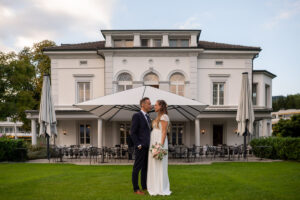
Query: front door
x=217, y=134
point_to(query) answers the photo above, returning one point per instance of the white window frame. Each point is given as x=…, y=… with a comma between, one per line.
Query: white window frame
x=218, y=94
x=256, y=84
x=219, y=78
x=149, y=83
x=76, y=88
x=85, y=123
x=126, y=125
x=178, y=126
x=178, y=83
x=126, y=84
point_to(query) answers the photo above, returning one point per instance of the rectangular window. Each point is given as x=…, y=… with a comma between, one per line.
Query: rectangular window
x=267, y=95
x=118, y=43
x=219, y=62
x=83, y=62
x=254, y=94
x=157, y=43
x=144, y=42
x=83, y=91
x=176, y=137
x=178, y=43
x=173, y=43
x=123, y=43
x=85, y=133
x=218, y=93
x=184, y=43
x=124, y=132
x=128, y=43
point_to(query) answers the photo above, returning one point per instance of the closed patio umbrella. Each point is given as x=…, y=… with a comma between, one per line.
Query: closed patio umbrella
x=245, y=114
x=47, y=117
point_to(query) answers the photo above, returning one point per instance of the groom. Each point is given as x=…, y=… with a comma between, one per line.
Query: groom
x=140, y=135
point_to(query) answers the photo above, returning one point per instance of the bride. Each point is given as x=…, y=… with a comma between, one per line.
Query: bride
x=157, y=175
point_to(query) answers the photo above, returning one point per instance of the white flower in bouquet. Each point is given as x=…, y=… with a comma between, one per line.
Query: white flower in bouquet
x=157, y=151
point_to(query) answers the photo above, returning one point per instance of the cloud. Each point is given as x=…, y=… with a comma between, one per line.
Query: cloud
x=24, y=22
x=193, y=22
x=288, y=12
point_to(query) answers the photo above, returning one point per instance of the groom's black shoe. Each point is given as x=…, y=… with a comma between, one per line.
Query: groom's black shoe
x=139, y=192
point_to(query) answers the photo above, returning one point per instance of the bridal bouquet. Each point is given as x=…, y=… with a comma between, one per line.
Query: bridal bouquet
x=157, y=151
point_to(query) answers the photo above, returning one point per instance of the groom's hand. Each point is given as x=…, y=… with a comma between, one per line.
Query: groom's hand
x=139, y=146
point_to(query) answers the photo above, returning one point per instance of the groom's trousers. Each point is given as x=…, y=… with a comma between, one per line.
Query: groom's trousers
x=140, y=164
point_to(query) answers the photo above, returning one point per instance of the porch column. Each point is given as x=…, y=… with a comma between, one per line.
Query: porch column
x=33, y=131
x=197, y=132
x=99, y=133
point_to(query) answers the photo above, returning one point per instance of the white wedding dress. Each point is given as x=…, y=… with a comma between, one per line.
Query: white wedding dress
x=157, y=174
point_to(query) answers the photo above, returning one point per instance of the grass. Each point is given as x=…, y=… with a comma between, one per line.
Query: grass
x=255, y=181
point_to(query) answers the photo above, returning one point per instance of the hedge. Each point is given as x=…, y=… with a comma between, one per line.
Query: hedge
x=12, y=149
x=285, y=148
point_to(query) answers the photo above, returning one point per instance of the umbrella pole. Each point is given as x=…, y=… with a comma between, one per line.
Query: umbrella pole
x=48, y=153
x=245, y=139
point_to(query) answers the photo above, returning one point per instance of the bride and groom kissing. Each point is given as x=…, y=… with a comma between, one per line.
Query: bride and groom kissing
x=151, y=144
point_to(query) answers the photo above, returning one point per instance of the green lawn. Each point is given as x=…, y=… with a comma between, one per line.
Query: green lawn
x=255, y=181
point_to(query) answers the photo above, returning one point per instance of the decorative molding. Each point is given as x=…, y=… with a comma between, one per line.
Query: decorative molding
x=83, y=75
x=150, y=70
x=178, y=71
x=219, y=75
x=123, y=71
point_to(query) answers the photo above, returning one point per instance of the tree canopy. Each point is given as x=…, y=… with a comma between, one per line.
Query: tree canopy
x=288, y=102
x=21, y=77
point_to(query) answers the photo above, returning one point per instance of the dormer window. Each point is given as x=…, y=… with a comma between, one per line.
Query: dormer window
x=157, y=43
x=123, y=43
x=144, y=42
x=179, y=43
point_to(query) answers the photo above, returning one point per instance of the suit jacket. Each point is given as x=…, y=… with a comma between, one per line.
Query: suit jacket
x=140, y=130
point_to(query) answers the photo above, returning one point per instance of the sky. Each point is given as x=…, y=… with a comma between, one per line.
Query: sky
x=273, y=25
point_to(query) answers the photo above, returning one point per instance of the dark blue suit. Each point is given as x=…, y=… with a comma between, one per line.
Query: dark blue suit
x=140, y=135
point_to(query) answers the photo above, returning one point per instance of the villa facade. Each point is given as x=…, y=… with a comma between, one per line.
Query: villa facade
x=172, y=60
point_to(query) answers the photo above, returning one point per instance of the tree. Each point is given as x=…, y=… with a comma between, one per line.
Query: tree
x=288, y=102
x=21, y=81
x=288, y=127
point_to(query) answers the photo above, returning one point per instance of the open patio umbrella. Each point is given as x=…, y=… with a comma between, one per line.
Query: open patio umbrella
x=245, y=114
x=122, y=105
x=47, y=117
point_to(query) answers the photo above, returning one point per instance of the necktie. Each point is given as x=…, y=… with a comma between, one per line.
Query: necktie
x=148, y=119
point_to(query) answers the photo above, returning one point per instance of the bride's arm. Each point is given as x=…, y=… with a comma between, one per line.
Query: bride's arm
x=164, y=125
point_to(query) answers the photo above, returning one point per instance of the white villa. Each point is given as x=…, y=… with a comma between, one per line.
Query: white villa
x=172, y=60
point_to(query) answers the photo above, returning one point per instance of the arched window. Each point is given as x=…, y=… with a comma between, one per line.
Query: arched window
x=124, y=82
x=177, y=84
x=151, y=79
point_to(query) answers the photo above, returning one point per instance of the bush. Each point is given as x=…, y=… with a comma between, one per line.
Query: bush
x=36, y=152
x=287, y=148
x=287, y=127
x=12, y=149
